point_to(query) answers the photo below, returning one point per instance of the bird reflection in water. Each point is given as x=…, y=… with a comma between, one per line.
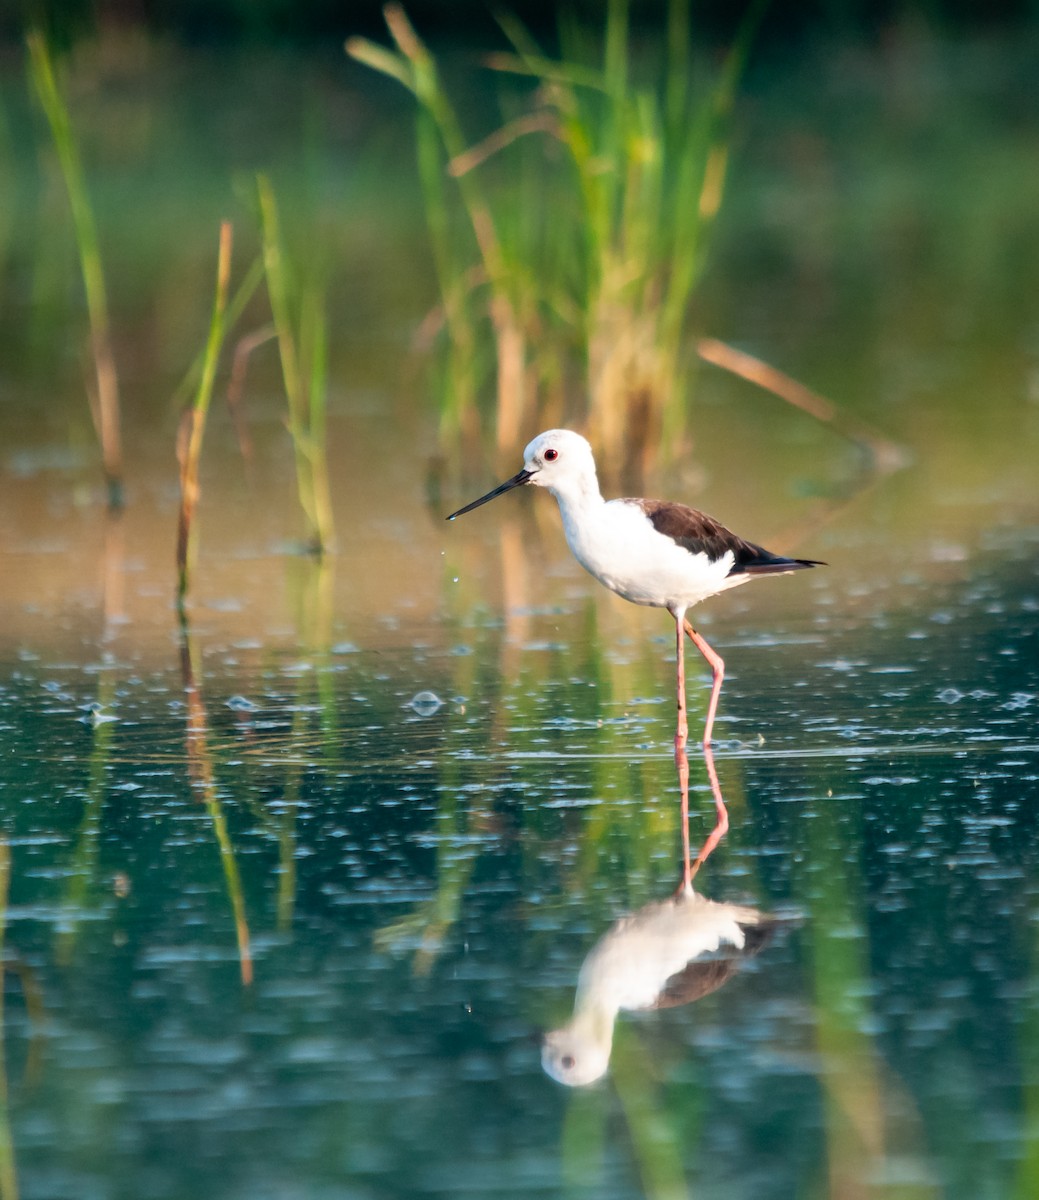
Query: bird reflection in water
x=668, y=953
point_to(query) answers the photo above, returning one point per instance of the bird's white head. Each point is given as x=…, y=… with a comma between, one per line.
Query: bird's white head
x=575, y=1056
x=558, y=459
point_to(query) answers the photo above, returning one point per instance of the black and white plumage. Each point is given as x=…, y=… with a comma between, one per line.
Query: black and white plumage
x=655, y=958
x=652, y=552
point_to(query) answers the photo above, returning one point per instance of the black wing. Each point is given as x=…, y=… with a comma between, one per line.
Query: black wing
x=700, y=534
x=705, y=975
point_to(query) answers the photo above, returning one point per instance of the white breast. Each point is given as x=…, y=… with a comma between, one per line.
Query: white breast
x=616, y=542
x=632, y=962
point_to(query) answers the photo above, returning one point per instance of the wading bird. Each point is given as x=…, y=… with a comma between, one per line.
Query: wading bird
x=652, y=552
x=668, y=953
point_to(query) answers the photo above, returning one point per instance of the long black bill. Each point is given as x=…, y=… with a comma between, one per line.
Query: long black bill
x=507, y=486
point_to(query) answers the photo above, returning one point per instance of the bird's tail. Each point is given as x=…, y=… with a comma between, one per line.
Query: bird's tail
x=774, y=564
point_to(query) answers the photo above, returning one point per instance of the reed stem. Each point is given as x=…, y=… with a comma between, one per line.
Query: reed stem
x=104, y=397
x=593, y=268
x=302, y=345
x=193, y=423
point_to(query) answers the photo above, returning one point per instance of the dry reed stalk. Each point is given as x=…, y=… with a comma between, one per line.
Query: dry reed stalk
x=243, y=351
x=886, y=456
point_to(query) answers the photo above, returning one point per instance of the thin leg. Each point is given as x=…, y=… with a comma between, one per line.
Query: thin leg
x=682, y=733
x=682, y=763
x=721, y=825
x=718, y=667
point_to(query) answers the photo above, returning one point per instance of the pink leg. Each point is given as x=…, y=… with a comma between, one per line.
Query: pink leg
x=718, y=667
x=721, y=825
x=682, y=733
x=682, y=763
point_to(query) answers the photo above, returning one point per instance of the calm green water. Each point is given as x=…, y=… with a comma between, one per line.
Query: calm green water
x=418, y=893
x=278, y=926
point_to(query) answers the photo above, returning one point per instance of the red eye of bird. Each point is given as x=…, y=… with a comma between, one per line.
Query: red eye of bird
x=551, y=455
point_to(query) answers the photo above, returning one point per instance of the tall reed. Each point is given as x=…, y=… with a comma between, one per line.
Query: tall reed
x=649, y=163
x=301, y=326
x=105, y=395
x=193, y=422
x=440, y=138
x=588, y=264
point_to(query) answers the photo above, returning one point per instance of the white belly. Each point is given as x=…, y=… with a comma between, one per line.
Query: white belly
x=630, y=965
x=619, y=546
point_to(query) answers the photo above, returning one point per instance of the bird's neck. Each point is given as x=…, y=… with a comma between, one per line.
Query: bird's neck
x=593, y=1018
x=580, y=503
x=578, y=497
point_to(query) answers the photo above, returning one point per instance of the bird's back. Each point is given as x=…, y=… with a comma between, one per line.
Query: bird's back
x=699, y=533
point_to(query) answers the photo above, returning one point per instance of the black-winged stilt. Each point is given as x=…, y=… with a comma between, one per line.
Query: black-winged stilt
x=651, y=552
x=655, y=958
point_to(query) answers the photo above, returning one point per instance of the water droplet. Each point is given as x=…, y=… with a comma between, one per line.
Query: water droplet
x=425, y=703
x=241, y=704
x=95, y=714
x=950, y=695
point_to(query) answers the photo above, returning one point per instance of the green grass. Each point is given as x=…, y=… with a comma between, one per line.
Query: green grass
x=475, y=288
x=579, y=269
x=193, y=422
x=104, y=396
x=301, y=327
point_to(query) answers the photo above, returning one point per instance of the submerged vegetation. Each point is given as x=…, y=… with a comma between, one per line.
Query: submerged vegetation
x=583, y=262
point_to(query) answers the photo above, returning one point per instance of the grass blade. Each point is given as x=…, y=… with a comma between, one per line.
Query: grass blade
x=105, y=399
x=301, y=344
x=193, y=423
